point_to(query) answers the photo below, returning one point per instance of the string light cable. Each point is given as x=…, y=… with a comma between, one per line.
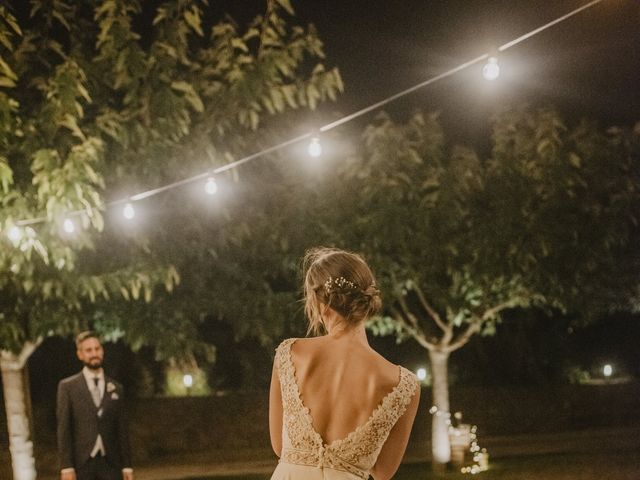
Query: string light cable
x=314, y=135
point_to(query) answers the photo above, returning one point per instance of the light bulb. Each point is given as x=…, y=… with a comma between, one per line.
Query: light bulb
x=69, y=226
x=211, y=187
x=314, y=148
x=607, y=370
x=421, y=374
x=14, y=234
x=128, y=211
x=491, y=70
x=187, y=380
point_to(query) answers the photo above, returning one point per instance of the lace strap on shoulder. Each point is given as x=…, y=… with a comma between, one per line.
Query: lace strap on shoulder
x=285, y=367
x=282, y=353
x=413, y=384
x=405, y=391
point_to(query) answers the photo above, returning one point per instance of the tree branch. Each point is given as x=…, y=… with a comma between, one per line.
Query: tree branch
x=414, y=332
x=430, y=310
x=14, y=361
x=472, y=329
x=490, y=312
x=405, y=308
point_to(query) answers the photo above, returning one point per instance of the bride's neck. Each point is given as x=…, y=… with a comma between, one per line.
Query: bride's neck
x=339, y=329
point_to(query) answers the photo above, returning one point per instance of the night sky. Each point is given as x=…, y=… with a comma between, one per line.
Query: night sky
x=586, y=65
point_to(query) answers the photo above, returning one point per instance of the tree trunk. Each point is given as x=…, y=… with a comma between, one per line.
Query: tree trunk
x=17, y=408
x=440, y=447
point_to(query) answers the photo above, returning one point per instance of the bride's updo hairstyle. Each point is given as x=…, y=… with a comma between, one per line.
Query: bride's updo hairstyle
x=343, y=281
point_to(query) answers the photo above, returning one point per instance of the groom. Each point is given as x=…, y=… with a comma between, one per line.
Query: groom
x=92, y=434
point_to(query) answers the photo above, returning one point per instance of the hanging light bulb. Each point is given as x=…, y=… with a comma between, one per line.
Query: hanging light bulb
x=314, y=148
x=69, y=226
x=14, y=234
x=491, y=70
x=211, y=187
x=128, y=211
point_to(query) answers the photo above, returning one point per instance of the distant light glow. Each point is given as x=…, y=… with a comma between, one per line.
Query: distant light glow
x=315, y=149
x=69, y=226
x=421, y=374
x=128, y=211
x=607, y=370
x=211, y=187
x=491, y=70
x=14, y=234
x=187, y=380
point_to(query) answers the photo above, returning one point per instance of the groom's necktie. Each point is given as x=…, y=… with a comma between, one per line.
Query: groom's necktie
x=95, y=391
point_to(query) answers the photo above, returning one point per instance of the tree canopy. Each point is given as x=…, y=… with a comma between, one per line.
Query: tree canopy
x=97, y=104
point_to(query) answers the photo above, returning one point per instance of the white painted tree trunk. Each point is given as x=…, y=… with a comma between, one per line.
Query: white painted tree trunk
x=17, y=408
x=440, y=446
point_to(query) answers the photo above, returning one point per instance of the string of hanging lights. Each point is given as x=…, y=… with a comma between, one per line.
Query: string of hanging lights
x=490, y=71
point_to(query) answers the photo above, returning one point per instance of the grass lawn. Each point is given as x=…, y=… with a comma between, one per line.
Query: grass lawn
x=574, y=466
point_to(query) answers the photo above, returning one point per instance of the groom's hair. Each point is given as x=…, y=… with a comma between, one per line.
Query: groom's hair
x=82, y=336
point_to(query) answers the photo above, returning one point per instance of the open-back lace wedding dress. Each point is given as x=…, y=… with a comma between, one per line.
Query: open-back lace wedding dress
x=305, y=455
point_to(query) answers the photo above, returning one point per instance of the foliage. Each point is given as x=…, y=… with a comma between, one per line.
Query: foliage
x=549, y=220
x=94, y=102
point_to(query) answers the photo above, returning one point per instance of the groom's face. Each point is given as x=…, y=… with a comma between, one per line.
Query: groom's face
x=90, y=353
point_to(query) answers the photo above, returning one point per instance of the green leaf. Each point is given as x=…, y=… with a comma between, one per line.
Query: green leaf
x=192, y=17
x=289, y=92
x=11, y=21
x=239, y=44
x=286, y=4
x=190, y=95
x=70, y=122
x=575, y=160
x=7, y=82
x=254, y=119
x=61, y=19
x=6, y=174
x=7, y=71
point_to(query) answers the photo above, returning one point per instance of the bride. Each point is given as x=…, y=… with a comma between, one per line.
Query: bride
x=337, y=409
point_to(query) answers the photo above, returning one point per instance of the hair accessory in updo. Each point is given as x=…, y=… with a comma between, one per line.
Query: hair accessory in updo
x=340, y=283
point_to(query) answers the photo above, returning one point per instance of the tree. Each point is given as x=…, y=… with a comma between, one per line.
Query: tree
x=94, y=100
x=548, y=221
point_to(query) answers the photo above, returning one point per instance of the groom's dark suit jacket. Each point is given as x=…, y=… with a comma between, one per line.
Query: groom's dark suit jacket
x=79, y=423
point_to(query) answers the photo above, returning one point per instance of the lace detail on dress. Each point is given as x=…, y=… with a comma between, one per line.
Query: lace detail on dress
x=357, y=452
x=297, y=419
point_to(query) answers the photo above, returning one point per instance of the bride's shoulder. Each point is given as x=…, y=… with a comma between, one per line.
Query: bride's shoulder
x=388, y=370
x=301, y=343
x=285, y=343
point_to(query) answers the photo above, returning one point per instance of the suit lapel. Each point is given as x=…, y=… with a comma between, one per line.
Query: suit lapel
x=105, y=395
x=84, y=389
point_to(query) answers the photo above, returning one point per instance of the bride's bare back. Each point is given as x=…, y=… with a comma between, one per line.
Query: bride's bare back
x=335, y=405
x=342, y=382
x=344, y=408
